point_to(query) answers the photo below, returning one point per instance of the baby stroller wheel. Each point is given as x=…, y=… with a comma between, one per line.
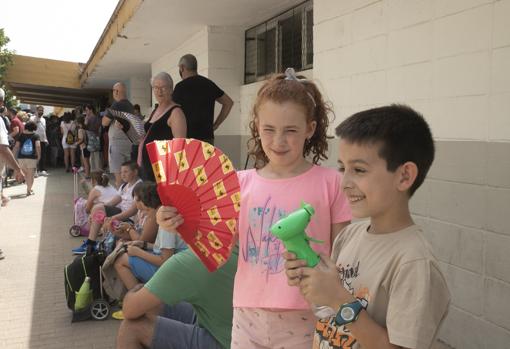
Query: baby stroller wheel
x=75, y=230
x=100, y=309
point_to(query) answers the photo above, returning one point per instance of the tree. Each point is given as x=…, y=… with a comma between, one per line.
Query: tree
x=5, y=62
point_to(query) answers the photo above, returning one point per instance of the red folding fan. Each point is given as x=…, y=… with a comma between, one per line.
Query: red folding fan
x=201, y=182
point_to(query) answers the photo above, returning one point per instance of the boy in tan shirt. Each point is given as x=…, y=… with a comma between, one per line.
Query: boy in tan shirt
x=382, y=280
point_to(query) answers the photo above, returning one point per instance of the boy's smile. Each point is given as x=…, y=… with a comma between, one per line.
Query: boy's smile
x=371, y=189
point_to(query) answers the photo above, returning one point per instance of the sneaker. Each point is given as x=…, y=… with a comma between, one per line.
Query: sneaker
x=43, y=173
x=82, y=249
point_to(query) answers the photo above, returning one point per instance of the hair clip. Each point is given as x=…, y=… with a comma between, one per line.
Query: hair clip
x=290, y=74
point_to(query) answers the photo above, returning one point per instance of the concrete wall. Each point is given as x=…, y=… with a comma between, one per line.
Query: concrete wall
x=140, y=93
x=220, y=55
x=451, y=61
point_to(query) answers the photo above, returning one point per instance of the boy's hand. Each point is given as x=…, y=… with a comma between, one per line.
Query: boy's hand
x=322, y=285
x=132, y=250
x=168, y=218
x=293, y=268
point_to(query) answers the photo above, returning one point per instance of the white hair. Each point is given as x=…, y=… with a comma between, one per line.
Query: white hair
x=165, y=77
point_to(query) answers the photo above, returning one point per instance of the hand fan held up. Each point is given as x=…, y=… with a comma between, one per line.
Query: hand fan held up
x=201, y=182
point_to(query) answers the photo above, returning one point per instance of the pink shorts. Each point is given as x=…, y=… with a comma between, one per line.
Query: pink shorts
x=264, y=328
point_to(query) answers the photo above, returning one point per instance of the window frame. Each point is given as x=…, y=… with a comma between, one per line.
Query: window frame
x=274, y=23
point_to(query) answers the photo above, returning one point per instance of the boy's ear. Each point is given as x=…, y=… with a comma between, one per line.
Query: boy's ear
x=407, y=175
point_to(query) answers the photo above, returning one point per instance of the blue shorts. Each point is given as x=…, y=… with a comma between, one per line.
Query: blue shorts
x=142, y=269
x=177, y=327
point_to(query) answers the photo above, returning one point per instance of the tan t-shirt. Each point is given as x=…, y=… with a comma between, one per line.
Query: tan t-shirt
x=398, y=280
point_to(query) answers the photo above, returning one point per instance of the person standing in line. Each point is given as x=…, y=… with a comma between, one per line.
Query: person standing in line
x=166, y=122
x=119, y=148
x=68, y=128
x=40, y=121
x=28, y=151
x=92, y=126
x=197, y=95
x=17, y=126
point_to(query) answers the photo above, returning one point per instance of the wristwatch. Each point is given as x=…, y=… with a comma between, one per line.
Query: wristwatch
x=348, y=313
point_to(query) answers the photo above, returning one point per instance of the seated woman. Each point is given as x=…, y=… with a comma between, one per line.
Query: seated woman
x=142, y=259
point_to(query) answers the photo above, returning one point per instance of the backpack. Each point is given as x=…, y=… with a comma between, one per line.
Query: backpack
x=93, y=142
x=70, y=138
x=77, y=270
x=27, y=149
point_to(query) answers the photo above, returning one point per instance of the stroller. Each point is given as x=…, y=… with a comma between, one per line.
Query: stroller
x=74, y=276
x=80, y=217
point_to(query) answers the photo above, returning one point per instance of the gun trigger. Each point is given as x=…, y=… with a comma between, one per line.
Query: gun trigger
x=314, y=240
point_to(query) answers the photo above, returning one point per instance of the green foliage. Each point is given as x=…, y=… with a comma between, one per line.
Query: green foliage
x=5, y=62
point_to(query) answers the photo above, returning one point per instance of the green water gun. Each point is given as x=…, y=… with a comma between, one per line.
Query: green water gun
x=291, y=231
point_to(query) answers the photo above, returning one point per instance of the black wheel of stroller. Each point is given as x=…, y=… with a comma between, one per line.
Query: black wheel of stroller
x=100, y=309
x=75, y=230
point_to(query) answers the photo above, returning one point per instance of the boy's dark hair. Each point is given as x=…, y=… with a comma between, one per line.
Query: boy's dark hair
x=131, y=164
x=403, y=133
x=31, y=126
x=147, y=193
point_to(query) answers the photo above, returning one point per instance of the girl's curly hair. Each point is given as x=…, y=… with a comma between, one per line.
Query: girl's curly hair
x=306, y=94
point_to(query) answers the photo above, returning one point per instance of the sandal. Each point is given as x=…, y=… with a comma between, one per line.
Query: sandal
x=118, y=315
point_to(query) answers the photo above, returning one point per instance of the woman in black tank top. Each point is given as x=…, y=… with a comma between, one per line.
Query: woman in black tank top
x=166, y=121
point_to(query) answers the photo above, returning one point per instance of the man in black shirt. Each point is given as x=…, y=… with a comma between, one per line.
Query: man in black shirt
x=197, y=96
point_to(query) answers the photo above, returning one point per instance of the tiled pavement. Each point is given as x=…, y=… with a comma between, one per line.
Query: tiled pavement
x=35, y=240
x=34, y=237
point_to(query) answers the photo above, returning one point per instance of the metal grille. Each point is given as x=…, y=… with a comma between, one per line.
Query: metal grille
x=281, y=42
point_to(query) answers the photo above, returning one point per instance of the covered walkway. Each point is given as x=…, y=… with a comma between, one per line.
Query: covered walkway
x=35, y=241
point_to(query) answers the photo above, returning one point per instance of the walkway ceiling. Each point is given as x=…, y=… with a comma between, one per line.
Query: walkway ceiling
x=49, y=82
x=140, y=32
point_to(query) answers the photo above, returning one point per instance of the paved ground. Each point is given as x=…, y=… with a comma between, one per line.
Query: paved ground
x=34, y=238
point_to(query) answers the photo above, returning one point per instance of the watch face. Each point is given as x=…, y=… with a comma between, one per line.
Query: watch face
x=347, y=314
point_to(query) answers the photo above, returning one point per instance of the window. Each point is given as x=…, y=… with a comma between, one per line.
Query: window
x=281, y=42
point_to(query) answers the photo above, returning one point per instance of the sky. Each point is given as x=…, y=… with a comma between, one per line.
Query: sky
x=65, y=30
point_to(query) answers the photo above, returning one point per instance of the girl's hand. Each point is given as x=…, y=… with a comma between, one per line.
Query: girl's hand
x=168, y=218
x=322, y=285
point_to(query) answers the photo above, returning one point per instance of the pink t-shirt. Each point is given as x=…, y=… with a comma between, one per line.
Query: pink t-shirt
x=260, y=280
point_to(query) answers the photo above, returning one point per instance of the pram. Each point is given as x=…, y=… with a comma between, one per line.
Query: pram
x=80, y=217
x=74, y=276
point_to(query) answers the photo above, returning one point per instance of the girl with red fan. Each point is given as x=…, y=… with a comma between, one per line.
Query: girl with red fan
x=289, y=125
